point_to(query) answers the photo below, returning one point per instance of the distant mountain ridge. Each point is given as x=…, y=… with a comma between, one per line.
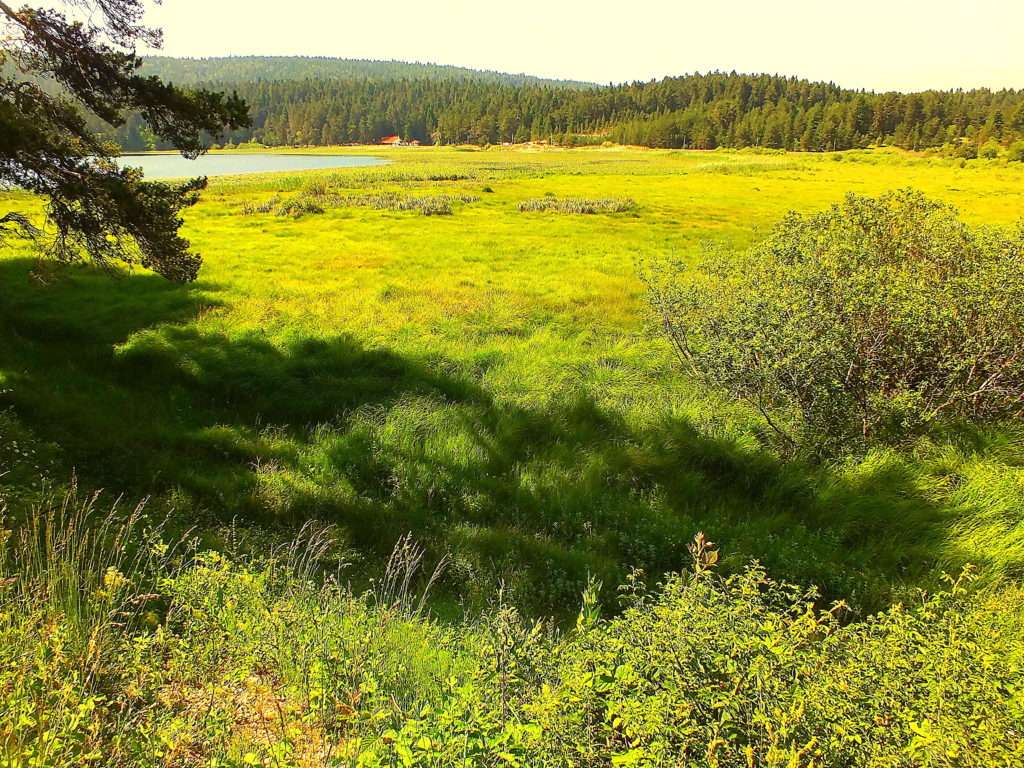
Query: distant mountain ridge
x=247, y=69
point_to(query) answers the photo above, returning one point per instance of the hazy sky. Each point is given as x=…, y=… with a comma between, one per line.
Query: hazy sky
x=878, y=44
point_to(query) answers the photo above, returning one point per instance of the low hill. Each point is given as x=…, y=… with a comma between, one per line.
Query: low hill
x=244, y=69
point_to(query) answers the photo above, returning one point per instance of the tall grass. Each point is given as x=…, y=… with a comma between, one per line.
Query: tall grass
x=97, y=569
x=318, y=197
x=576, y=205
x=77, y=581
x=433, y=205
x=396, y=589
x=271, y=661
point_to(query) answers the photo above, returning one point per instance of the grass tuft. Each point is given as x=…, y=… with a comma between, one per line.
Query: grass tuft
x=576, y=205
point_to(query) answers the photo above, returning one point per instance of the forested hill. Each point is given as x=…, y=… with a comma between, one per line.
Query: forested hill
x=300, y=101
x=245, y=69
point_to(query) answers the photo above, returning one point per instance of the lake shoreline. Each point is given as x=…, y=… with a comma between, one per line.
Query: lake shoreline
x=172, y=165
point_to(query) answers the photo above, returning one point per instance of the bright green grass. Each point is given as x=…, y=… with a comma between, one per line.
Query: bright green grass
x=489, y=380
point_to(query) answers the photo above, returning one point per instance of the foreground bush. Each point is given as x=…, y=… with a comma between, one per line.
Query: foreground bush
x=867, y=322
x=233, y=663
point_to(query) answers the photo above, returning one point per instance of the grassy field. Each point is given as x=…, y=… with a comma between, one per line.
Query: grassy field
x=488, y=380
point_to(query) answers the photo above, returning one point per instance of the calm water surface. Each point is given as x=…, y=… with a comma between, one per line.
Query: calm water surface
x=159, y=166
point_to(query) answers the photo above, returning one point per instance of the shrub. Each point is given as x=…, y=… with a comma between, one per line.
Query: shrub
x=745, y=671
x=867, y=322
x=1016, y=152
x=448, y=176
x=300, y=206
x=968, y=150
x=989, y=150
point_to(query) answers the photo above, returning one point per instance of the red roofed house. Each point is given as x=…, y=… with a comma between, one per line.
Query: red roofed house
x=391, y=141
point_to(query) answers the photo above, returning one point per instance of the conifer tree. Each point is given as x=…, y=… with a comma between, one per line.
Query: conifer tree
x=56, y=67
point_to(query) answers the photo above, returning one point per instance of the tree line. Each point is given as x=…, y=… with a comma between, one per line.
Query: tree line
x=700, y=111
x=187, y=71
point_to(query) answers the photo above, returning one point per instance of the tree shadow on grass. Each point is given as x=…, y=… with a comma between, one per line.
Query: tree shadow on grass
x=58, y=351
x=142, y=400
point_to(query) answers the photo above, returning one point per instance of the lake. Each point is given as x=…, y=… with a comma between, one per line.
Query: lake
x=170, y=166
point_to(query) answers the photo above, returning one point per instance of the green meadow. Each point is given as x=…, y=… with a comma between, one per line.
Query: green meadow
x=489, y=380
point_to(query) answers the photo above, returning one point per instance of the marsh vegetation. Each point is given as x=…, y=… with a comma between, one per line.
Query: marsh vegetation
x=415, y=482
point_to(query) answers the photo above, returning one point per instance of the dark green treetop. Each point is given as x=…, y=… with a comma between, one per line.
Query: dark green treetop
x=54, y=70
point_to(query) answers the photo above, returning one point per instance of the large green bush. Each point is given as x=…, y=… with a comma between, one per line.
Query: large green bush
x=866, y=322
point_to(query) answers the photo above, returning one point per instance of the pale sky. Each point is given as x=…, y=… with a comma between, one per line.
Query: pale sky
x=876, y=44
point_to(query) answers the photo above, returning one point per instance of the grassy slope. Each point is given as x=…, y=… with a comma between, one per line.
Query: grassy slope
x=487, y=380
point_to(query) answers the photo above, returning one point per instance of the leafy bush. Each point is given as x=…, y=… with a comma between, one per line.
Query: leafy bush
x=967, y=150
x=989, y=150
x=867, y=322
x=448, y=176
x=1016, y=152
x=300, y=206
x=745, y=671
x=577, y=205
